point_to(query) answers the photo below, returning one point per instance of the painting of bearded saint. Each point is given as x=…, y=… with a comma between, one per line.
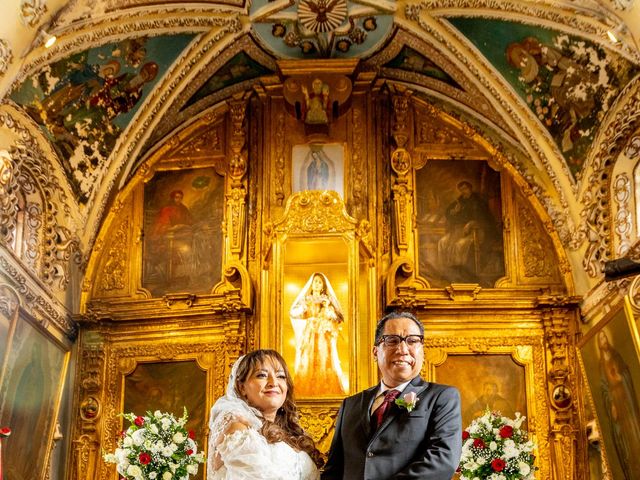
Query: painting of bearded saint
x=316, y=318
x=621, y=404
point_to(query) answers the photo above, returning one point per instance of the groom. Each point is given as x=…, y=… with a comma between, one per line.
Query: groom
x=376, y=439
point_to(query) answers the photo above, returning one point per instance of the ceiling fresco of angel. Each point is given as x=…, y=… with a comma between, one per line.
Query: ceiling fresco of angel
x=84, y=102
x=569, y=83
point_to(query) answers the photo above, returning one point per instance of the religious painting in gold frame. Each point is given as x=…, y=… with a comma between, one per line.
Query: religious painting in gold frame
x=485, y=382
x=459, y=223
x=609, y=354
x=315, y=312
x=182, y=243
x=318, y=166
x=169, y=387
x=30, y=394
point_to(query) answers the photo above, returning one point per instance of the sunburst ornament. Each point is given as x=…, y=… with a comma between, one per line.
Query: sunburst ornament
x=321, y=16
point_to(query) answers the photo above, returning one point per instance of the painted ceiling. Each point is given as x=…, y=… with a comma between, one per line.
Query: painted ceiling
x=124, y=74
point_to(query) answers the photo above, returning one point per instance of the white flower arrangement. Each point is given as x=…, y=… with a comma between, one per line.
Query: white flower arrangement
x=156, y=446
x=496, y=448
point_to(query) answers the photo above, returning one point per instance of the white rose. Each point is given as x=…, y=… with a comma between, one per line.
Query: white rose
x=166, y=423
x=167, y=451
x=134, y=470
x=493, y=446
x=178, y=437
x=121, y=455
x=127, y=442
x=154, y=429
x=167, y=476
x=173, y=467
x=157, y=414
x=192, y=469
x=524, y=468
x=138, y=437
x=481, y=461
x=153, y=475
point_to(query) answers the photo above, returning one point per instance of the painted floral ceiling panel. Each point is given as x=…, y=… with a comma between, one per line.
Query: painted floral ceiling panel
x=322, y=28
x=84, y=102
x=239, y=69
x=568, y=82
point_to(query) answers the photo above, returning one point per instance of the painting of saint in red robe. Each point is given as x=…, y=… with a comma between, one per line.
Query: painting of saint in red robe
x=182, y=232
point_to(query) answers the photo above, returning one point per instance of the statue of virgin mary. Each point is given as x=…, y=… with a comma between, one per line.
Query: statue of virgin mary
x=316, y=317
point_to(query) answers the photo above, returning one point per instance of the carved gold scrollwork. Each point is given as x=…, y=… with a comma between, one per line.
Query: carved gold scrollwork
x=179, y=301
x=464, y=292
x=237, y=289
x=115, y=270
x=561, y=385
x=318, y=422
x=401, y=285
x=403, y=211
x=236, y=196
x=400, y=128
x=314, y=211
x=236, y=211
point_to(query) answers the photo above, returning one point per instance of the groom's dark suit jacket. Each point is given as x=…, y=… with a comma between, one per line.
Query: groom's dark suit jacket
x=422, y=444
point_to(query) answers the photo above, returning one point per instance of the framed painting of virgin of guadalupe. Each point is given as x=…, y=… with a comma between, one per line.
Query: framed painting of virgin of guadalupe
x=609, y=356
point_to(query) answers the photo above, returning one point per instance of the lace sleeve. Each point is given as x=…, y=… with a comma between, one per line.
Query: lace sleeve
x=245, y=455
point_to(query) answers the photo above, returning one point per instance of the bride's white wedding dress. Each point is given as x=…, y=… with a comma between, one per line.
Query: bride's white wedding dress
x=246, y=455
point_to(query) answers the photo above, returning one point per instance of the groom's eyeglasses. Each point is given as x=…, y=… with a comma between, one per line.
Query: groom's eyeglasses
x=392, y=341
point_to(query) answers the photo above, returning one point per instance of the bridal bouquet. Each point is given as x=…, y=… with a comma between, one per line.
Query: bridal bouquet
x=496, y=448
x=156, y=447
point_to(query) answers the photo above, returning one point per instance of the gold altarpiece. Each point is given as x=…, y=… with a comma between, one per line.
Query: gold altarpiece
x=364, y=236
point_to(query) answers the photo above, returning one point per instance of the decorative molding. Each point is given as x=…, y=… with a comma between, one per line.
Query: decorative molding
x=31, y=11
x=596, y=199
x=623, y=220
x=314, y=211
x=37, y=301
x=6, y=56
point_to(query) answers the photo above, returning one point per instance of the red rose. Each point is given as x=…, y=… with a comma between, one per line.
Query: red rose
x=506, y=431
x=5, y=431
x=139, y=421
x=465, y=435
x=145, y=458
x=478, y=443
x=189, y=452
x=192, y=435
x=498, y=464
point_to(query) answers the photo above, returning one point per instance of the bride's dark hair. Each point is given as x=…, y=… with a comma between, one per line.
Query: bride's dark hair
x=286, y=427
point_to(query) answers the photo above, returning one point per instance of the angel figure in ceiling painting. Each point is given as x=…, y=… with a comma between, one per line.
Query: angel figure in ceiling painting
x=316, y=317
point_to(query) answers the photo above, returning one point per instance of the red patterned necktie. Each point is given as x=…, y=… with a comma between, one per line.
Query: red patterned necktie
x=378, y=415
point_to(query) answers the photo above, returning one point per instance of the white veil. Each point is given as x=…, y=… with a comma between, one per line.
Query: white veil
x=229, y=408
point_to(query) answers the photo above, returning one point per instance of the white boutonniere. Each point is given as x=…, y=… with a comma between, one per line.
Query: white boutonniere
x=408, y=401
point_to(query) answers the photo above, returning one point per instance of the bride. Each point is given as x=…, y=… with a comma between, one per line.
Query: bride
x=254, y=428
